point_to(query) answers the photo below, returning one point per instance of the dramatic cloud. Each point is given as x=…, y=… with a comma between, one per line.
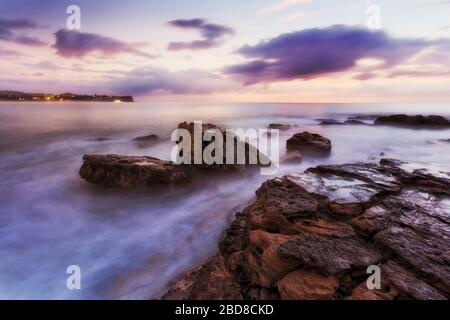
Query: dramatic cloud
x=146, y=81
x=10, y=28
x=311, y=53
x=70, y=43
x=212, y=34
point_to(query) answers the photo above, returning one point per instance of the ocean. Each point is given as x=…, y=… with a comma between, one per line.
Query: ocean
x=133, y=243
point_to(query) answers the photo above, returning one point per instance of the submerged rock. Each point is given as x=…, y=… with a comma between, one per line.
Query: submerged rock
x=413, y=121
x=101, y=139
x=366, y=117
x=128, y=171
x=330, y=122
x=309, y=142
x=307, y=285
x=210, y=281
x=313, y=236
x=279, y=126
x=355, y=122
x=293, y=156
x=149, y=138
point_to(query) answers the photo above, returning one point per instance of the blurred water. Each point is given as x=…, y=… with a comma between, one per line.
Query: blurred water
x=131, y=243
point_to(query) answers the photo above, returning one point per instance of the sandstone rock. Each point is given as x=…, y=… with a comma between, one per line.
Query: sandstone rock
x=328, y=256
x=406, y=283
x=266, y=265
x=279, y=126
x=355, y=122
x=370, y=173
x=346, y=196
x=261, y=159
x=309, y=142
x=413, y=121
x=313, y=235
x=428, y=177
x=210, y=281
x=361, y=292
x=307, y=285
x=324, y=227
x=149, y=138
x=371, y=221
x=292, y=157
x=278, y=201
x=330, y=122
x=396, y=283
x=128, y=171
x=421, y=211
x=425, y=253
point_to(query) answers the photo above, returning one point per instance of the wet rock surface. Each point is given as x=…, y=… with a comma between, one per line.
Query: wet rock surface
x=329, y=122
x=134, y=171
x=101, y=139
x=210, y=281
x=309, y=143
x=413, y=121
x=279, y=126
x=332, y=122
x=355, y=122
x=292, y=157
x=130, y=171
x=148, y=138
x=249, y=150
x=313, y=236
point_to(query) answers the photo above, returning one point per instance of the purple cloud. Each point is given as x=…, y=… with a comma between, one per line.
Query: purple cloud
x=70, y=43
x=6, y=53
x=212, y=34
x=146, y=81
x=311, y=53
x=9, y=29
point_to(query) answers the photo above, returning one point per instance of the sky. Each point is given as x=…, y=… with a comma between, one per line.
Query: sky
x=250, y=51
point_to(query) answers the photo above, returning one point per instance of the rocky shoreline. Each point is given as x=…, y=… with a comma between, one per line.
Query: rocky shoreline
x=397, y=120
x=313, y=236
x=113, y=170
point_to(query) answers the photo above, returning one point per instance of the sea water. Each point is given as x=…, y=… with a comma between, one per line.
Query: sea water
x=133, y=243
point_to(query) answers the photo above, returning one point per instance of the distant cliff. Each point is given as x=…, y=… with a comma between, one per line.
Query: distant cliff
x=23, y=96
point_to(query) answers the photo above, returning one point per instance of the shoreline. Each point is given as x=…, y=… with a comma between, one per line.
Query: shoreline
x=194, y=231
x=314, y=235
x=318, y=247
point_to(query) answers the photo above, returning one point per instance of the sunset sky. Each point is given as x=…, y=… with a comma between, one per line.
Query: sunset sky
x=252, y=50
